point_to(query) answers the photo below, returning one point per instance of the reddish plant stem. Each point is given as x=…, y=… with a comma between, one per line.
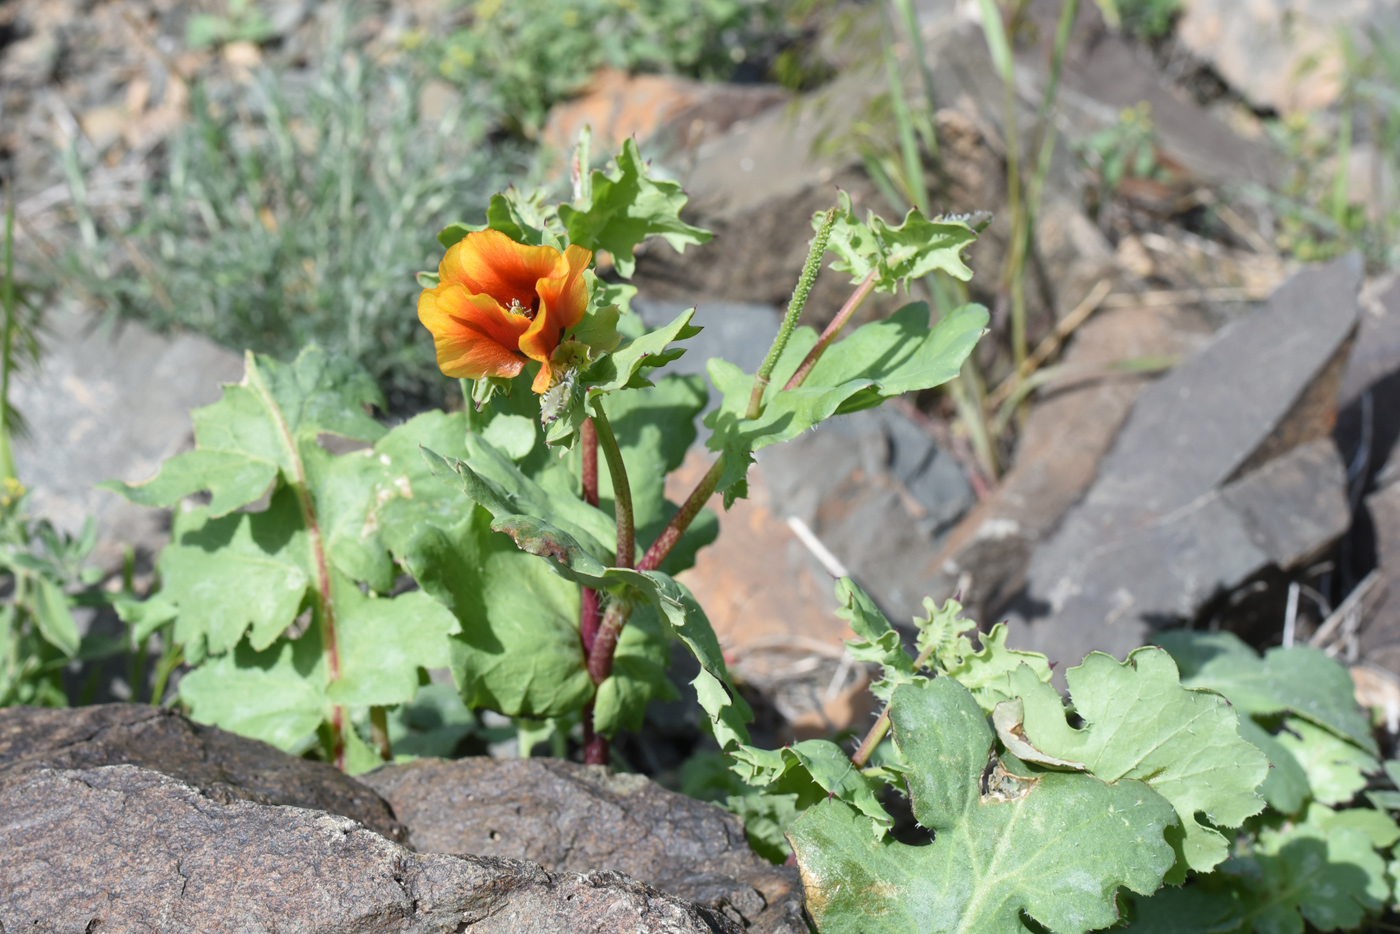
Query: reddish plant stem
x=681, y=520
x=325, y=605
x=588, y=606
x=588, y=446
x=832, y=329
x=595, y=748
x=600, y=660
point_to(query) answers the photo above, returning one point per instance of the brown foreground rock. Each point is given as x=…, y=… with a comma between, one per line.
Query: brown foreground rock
x=567, y=816
x=125, y=849
x=222, y=766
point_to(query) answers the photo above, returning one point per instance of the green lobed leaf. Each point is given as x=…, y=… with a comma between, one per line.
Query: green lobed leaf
x=243, y=573
x=984, y=671
x=256, y=429
x=1299, y=680
x=1286, y=789
x=826, y=764
x=877, y=361
x=628, y=206
x=876, y=640
x=1055, y=846
x=897, y=255
x=518, y=650
x=1140, y=723
x=282, y=693
x=272, y=695
x=1329, y=878
x=1336, y=769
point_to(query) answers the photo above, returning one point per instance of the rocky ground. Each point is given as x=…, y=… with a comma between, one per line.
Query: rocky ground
x=1254, y=485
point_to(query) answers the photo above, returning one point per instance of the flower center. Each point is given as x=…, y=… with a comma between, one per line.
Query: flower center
x=528, y=311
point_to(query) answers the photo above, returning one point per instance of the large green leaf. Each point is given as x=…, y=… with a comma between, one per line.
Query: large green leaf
x=1336, y=769
x=551, y=529
x=1055, y=846
x=1286, y=788
x=282, y=694
x=248, y=572
x=1329, y=877
x=1140, y=723
x=1298, y=680
x=518, y=650
x=628, y=206
x=276, y=695
x=877, y=361
x=258, y=427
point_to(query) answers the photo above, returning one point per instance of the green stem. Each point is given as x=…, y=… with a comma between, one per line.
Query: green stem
x=810, y=269
x=832, y=329
x=622, y=490
x=379, y=732
x=882, y=723
x=170, y=657
x=325, y=605
x=904, y=124
x=681, y=520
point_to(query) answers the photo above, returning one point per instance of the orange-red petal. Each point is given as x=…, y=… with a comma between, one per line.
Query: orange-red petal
x=563, y=300
x=487, y=262
x=473, y=335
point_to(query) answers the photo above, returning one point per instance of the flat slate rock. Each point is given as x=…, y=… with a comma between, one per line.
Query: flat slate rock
x=122, y=849
x=224, y=767
x=1158, y=533
x=111, y=403
x=567, y=816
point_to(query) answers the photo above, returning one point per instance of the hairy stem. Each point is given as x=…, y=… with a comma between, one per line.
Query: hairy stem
x=882, y=723
x=810, y=269
x=600, y=660
x=681, y=520
x=588, y=605
x=622, y=491
x=832, y=329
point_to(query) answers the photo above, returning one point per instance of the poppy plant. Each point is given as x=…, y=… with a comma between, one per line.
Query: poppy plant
x=499, y=303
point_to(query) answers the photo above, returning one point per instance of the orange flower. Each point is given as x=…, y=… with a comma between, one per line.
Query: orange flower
x=499, y=302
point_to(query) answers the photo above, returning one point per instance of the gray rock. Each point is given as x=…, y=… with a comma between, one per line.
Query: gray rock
x=1368, y=423
x=1071, y=426
x=125, y=849
x=221, y=766
x=1282, y=55
x=111, y=403
x=571, y=817
x=878, y=491
x=1156, y=536
x=1380, y=638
